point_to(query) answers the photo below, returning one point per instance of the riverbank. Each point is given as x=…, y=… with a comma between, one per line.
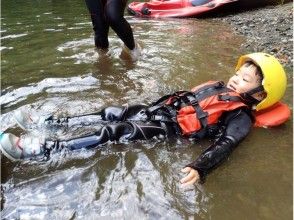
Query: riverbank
x=268, y=29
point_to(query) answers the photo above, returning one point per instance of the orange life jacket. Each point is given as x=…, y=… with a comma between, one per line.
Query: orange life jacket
x=191, y=118
x=273, y=116
x=206, y=103
x=194, y=111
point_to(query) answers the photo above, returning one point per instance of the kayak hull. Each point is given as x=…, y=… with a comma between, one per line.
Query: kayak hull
x=174, y=8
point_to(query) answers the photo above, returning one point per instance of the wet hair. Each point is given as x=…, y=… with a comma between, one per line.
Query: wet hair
x=258, y=71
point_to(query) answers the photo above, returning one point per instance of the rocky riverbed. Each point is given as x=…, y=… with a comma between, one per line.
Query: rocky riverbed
x=268, y=29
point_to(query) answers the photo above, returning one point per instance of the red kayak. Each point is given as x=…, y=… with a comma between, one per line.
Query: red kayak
x=174, y=8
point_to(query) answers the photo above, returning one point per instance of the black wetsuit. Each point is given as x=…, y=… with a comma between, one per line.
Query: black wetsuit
x=105, y=13
x=133, y=123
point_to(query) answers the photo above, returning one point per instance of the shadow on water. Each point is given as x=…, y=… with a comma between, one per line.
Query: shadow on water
x=67, y=76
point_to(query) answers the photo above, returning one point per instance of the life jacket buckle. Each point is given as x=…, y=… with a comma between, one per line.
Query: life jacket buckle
x=224, y=98
x=162, y=118
x=156, y=118
x=194, y=102
x=201, y=115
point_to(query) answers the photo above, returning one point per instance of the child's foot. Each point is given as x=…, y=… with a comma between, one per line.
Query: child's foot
x=26, y=120
x=133, y=54
x=17, y=148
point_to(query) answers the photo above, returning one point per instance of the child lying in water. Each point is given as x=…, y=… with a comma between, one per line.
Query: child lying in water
x=224, y=112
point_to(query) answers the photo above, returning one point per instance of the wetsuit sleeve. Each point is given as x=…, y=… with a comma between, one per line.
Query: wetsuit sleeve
x=236, y=126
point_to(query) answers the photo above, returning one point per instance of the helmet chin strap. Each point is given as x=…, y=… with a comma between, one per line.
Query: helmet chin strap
x=247, y=96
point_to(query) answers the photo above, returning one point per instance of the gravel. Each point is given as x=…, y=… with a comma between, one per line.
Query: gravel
x=268, y=29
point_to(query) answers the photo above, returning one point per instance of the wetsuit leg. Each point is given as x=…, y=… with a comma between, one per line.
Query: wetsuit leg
x=136, y=112
x=122, y=131
x=114, y=12
x=128, y=112
x=80, y=120
x=108, y=114
x=99, y=22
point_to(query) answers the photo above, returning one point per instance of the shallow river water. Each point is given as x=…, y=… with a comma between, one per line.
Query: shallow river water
x=49, y=65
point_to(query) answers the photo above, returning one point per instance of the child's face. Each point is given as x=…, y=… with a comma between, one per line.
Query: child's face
x=245, y=79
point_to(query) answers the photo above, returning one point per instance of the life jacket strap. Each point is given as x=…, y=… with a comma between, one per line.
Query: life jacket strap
x=255, y=90
x=200, y=94
x=230, y=98
x=209, y=90
x=201, y=115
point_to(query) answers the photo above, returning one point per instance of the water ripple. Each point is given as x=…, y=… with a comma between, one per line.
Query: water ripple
x=50, y=85
x=51, y=195
x=11, y=36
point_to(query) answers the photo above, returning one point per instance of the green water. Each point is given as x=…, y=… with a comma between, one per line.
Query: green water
x=49, y=64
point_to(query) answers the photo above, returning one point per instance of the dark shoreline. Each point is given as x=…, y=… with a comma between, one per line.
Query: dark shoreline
x=268, y=29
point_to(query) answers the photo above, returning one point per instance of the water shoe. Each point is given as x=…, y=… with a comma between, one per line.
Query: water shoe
x=133, y=54
x=17, y=148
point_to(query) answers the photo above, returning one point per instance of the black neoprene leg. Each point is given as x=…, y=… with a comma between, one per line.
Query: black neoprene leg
x=128, y=112
x=108, y=114
x=99, y=22
x=122, y=131
x=114, y=13
x=81, y=120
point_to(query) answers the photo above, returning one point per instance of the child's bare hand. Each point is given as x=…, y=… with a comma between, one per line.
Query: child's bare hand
x=191, y=178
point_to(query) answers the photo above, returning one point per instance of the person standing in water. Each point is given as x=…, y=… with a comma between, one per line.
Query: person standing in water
x=110, y=13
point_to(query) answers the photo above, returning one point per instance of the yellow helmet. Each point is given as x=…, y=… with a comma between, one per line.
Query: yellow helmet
x=274, y=77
